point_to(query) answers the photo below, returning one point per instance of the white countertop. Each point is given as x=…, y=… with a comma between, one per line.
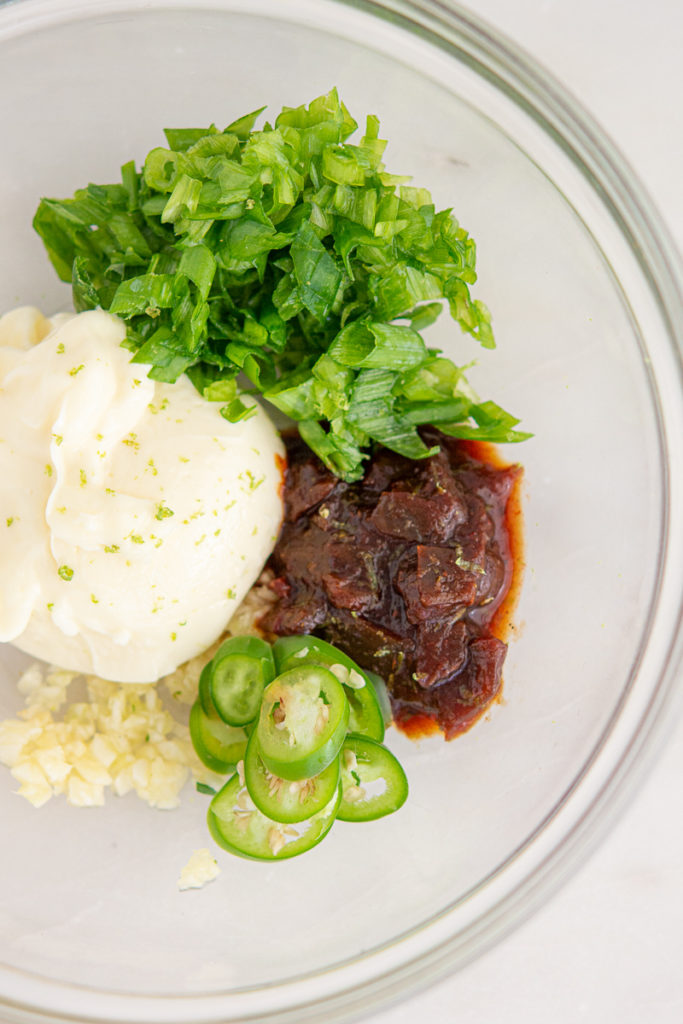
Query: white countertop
x=607, y=947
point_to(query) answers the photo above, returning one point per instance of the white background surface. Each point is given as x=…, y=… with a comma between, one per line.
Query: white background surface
x=607, y=948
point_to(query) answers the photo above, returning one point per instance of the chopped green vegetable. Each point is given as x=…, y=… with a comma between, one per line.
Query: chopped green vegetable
x=289, y=255
x=203, y=787
x=365, y=714
x=238, y=826
x=283, y=800
x=373, y=782
x=302, y=722
x=312, y=755
x=239, y=671
x=219, y=746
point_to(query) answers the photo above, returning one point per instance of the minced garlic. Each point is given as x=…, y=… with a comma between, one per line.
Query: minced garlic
x=121, y=738
x=200, y=869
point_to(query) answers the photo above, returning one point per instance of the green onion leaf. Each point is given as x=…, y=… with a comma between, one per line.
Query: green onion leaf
x=203, y=787
x=288, y=254
x=379, y=345
x=317, y=275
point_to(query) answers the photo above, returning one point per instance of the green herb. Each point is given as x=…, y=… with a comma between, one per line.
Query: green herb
x=289, y=255
x=203, y=787
x=66, y=573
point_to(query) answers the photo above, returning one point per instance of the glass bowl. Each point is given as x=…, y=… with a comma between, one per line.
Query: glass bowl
x=585, y=291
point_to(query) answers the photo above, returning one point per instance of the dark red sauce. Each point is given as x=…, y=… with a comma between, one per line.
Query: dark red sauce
x=411, y=571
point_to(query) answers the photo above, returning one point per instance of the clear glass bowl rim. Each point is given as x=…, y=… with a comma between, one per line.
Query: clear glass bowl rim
x=461, y=34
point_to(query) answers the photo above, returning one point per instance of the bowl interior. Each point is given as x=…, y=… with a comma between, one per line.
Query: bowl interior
x=89, y=897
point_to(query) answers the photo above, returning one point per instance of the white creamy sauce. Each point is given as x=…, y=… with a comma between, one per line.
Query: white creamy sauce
x=133, y=516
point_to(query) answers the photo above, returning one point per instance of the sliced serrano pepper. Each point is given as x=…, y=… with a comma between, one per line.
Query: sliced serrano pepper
x=237, y=825
x=219, y=746
x=366, y=715
x=238, y=673
x=373, y=781
x=285, y=800
x=303, y=722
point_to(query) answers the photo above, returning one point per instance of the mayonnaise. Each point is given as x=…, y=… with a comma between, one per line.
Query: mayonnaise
x=133, y=516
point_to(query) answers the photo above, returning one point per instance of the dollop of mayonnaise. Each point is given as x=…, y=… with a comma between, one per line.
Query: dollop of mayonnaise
x=133, y=516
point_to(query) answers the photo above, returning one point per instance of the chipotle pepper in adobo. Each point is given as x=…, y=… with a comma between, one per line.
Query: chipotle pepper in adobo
x=404, y=571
